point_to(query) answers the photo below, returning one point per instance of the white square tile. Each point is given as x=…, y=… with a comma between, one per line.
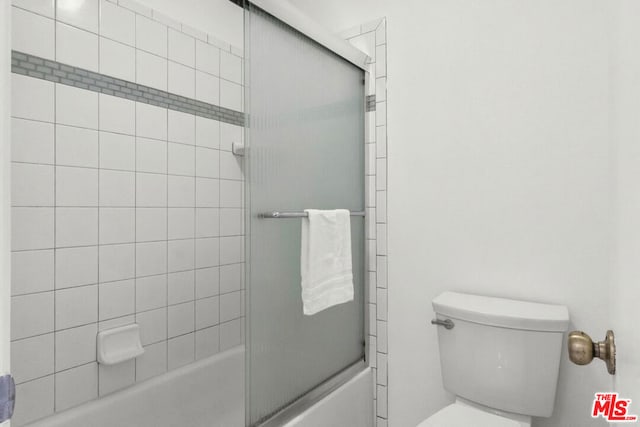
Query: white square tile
x=230, y=221
x=207, y=162
x=181, y=319
x=207, y=282
x=230, y=277
x=151, y=155
x=181, y=191
x=117, y=151
x=151, y=258
x=117, y=23
x=136, y=7
x=76, y=146
x=32, y=141
x=117, y=114
x=76, y=266
x=167, y=20
x=76, y=107
x=230, y=134
x=116, y=377
x=76, y=227
x=182, y=127
x=381, y=61
x=182, y=159
x=207, y=192
x=181, y=223
x=116, y=322
x=381, y=333
x=230, y=194
x=76, y=386
x=31, y=271
x=381, y=277
x=151, y=292
x=84, y=14
x=76, y=186
x=151, y=70
x=207, y=252
x=207, y=342
x=31, y=315
x=151, y=190
x=151, y=121
x=32, y=98
x=230, y=95
x=207, y=88
x=182, y=48
x=181, y=351
x=207, y=132
x=76, y=306
x=381, y=141
x=207, y=58
x=181, y=80
x=381, y=302
x=36, y=400
x=381, y=174
x=153, y=362
x=116, y=299
x=230, y=250
x=381, y=89
x=230, y=67
x=31, y=185
x=117, y=60
x=230, y=166
x=76, y=47
x=207, y=222
x=181, y=287
x=181, y=255
x=33, y=34
x=230, y=334
x=117, y=262
x=76, y=346
x=151, y=36
x=381, y=113
x=207, y=312
x=32, y=358
x=153, y=326
x=229, y=306
x=117, y=225
x=32, y=228
x=117, y=188
x=41, y=7
x=151, y=224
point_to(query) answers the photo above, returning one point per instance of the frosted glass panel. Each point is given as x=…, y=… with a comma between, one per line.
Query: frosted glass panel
x=306, y=146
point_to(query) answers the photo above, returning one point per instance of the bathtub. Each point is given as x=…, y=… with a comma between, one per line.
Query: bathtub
x=207, y=393
x=210, y=393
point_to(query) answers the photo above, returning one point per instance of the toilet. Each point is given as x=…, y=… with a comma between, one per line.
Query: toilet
x=499, y=357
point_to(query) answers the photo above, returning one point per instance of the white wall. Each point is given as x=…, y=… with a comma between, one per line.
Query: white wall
x=500, y=174
x=221, y=18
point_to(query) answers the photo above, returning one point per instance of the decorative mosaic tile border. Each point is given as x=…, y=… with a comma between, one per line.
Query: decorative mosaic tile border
x=34, y=66
x=370, y=103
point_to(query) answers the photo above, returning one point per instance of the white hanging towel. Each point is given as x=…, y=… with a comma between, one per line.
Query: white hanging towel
x=325, y=259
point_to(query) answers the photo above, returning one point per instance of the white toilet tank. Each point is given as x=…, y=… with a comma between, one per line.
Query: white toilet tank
x=501, y=353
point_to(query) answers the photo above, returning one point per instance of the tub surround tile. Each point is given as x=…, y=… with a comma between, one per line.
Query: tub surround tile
x=117, y=197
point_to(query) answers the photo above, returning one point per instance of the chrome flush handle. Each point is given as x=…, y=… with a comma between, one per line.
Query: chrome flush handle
x=448, y=323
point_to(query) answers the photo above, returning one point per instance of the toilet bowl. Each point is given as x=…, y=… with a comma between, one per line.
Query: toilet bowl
x=499, y=357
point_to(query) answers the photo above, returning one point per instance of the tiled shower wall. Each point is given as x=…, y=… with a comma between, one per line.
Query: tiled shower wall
x=371, y=39
x=127, y=201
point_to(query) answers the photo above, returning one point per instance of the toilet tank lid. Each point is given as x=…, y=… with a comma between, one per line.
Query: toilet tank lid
x=502, y=312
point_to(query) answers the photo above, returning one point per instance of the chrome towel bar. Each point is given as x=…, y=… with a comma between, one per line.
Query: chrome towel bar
x=279, y=215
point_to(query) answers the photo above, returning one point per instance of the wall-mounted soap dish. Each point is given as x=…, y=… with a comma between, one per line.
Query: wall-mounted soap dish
x=119, y=344
x=237, y=149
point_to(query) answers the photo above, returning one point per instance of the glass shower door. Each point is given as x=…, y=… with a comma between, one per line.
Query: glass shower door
x=305, y=150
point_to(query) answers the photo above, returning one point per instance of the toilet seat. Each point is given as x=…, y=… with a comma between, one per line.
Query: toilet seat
x=461, y=415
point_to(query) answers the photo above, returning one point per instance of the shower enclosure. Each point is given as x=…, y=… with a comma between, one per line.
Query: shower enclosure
x=305, y=149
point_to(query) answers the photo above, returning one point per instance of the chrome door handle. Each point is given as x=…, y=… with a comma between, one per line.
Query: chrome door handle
x=448, y=323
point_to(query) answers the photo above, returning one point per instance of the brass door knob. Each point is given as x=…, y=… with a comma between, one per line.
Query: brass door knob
x=582, y=349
